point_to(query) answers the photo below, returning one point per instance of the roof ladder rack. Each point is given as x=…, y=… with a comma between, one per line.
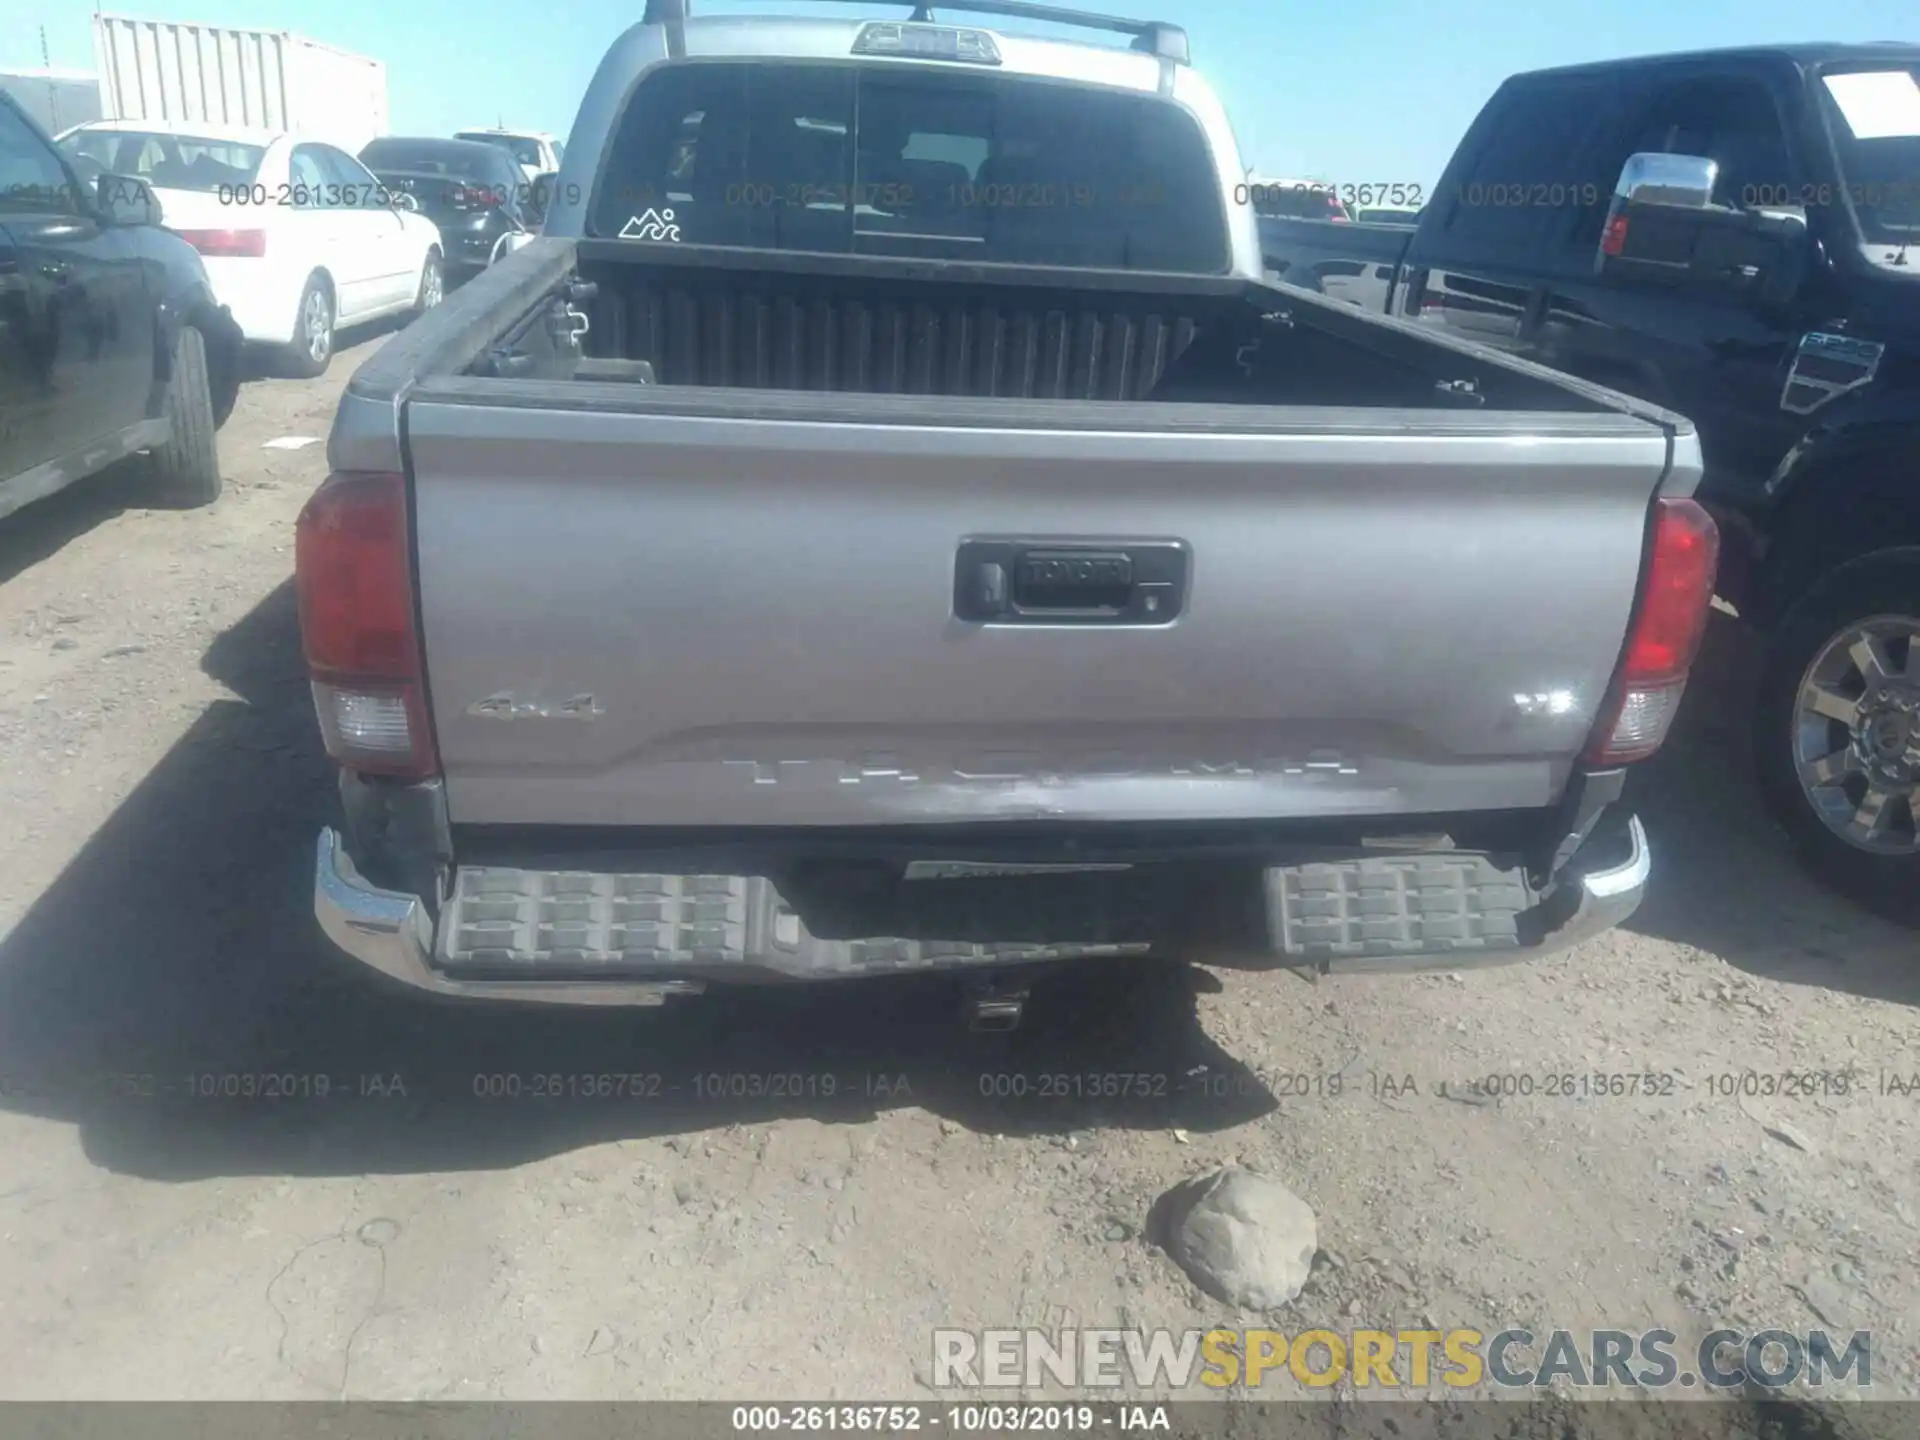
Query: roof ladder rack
x=1152, y=37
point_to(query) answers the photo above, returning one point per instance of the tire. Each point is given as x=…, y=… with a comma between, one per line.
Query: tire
x=186, y=469
x=433, y=284
x=311, y=350
x=1868, y=851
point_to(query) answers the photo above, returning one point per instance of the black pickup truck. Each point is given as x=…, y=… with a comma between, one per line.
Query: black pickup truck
x=111, y=341
x=1734, y=235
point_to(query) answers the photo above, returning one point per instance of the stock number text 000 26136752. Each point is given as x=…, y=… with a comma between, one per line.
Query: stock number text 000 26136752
x=372, y=197
x=1871, y=196
x=1394, y=194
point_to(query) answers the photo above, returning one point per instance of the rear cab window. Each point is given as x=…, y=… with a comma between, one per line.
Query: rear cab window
x=899, y=160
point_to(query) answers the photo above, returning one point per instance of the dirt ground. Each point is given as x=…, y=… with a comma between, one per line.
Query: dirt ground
x=406, y=1236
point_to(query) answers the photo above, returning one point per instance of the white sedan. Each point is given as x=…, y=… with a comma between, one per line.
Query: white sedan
x=298, y=237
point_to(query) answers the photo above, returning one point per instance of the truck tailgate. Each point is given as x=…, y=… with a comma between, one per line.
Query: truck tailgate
x=659, y=619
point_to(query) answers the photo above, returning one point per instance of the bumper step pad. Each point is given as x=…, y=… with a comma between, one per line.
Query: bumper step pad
x=1388, y=908
x=508, y=923
x=536, y=923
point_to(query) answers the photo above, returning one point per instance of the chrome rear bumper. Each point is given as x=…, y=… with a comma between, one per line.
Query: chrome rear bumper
x=391, y=932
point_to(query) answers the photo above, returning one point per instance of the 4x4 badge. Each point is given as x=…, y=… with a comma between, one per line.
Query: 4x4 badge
x=506, y=706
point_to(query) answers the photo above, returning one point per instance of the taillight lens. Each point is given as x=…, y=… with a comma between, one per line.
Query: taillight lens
x=1613, y=241
x=353, y=575
x=232, y=244
x=1665, y=636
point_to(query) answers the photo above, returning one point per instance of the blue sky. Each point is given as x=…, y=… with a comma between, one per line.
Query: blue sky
x=1316, y=88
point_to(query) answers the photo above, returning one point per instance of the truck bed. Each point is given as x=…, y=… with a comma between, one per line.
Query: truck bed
x=744, y=520
x=775, y=322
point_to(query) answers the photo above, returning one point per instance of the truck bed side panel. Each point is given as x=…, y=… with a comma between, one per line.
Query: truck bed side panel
x=1414, y=619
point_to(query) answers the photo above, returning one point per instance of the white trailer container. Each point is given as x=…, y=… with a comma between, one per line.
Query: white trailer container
x=265, y=79
x=58, y=99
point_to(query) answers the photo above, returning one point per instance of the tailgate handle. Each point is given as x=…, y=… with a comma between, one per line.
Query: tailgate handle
x=1048, y=582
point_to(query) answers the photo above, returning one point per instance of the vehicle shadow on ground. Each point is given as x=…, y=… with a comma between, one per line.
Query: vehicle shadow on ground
x=41, y=530
x=179, y=950
x=1724, y=879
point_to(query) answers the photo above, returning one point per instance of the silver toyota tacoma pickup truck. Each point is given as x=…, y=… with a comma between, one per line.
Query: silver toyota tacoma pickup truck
x=887, y=523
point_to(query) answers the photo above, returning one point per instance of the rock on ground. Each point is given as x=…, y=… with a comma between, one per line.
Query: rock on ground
x=1244, y=1238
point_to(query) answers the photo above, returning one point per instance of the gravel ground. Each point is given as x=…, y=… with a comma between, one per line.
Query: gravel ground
x=408, y=1237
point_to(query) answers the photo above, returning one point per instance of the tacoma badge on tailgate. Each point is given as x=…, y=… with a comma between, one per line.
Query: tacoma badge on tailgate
x=1026, y=768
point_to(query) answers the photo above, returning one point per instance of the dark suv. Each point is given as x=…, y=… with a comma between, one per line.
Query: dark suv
x=111, y=342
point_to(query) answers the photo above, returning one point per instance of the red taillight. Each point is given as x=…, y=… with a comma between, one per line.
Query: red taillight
x=233, y=244
x=353, y=575
x=1665, y=636
x=1614, y=241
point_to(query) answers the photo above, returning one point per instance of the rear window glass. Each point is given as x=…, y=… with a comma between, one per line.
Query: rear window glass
x=523, y=150
x=438, y=157
x=166, y=161
x=898, y=161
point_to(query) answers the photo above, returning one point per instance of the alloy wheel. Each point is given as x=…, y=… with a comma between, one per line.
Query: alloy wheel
x=1856, y=735
x=317, y=323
